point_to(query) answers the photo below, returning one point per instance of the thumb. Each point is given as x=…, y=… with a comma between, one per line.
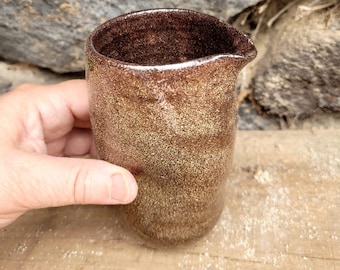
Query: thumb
x=45, y=181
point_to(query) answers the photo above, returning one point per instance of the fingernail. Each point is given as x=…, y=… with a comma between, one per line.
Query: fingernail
x=121, y=188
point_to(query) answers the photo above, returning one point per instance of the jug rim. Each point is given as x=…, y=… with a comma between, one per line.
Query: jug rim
x=247, y=57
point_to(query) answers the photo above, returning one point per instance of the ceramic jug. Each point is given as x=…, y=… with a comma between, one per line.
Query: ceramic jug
x=163, y=105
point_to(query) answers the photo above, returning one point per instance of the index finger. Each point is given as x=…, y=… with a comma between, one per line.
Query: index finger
x=74, y=94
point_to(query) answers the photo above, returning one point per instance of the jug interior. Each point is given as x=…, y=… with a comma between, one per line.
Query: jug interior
x=167, y=37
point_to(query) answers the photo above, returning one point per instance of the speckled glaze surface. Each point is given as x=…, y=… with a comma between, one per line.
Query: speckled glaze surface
x=162, y=105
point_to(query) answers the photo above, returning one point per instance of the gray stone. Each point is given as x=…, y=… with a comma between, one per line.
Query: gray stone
x=13, y=75
x=5, y=86
x=250, y=119
x=51, y=34
x=300, y=73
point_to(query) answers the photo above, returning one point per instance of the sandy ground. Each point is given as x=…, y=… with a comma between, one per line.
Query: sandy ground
x=281, y=212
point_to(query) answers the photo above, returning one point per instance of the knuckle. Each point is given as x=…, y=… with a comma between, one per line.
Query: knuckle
x=80, y=181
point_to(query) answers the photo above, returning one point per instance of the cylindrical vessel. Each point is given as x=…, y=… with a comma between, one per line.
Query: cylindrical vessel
x=162, y=104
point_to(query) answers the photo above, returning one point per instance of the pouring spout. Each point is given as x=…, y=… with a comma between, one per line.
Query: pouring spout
x=172, y=39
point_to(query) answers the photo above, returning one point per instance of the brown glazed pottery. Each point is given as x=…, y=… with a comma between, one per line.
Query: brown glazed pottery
x=162, y=104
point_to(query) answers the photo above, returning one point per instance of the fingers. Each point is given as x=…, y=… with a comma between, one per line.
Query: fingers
x=44, y=112
x=63, y=107
x=78, y=142
x=44, y=181
x=40, y=120
x=74, y=94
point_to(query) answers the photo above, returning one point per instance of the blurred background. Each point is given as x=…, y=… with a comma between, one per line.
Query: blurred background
x=293, y=84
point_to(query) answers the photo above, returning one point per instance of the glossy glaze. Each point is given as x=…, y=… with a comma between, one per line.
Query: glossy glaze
x=162, y=104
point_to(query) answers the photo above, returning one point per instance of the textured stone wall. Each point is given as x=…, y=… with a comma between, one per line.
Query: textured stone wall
x=296, y=74
x=51, y=34
x=299, y=73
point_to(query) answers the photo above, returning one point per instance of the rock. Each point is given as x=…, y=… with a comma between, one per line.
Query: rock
x=249, y=118
x=13, y=75
x=5, y=86
x=51, y=34
x=300, y=73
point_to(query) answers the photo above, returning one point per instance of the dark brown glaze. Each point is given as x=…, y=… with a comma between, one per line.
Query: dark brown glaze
x=162, y=104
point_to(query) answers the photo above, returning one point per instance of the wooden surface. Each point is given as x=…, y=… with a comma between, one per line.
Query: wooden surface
x=282, y=212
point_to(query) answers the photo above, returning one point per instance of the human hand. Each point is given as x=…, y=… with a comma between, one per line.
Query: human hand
x=41, y=126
